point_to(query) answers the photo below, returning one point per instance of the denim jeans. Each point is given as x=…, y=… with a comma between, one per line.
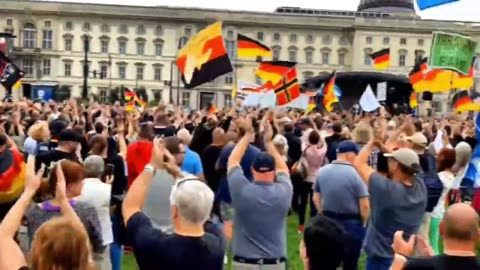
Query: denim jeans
x=116, y=250
x=354, y=241
x=377, y=263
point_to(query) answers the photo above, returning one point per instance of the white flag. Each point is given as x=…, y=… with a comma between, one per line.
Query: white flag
x=382, y=91
x=368, y=101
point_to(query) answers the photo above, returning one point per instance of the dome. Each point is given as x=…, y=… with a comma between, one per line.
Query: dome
x=390, y=6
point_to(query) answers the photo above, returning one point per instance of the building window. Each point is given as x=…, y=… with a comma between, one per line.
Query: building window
x=86, y=26
x=325, y=58
x=309, y=39
x=187, y=31
x=229, y=79
x=122, y=47
x=276, y=37
x=403, y=41
x=227, y=100
x=47, y=39
x=68, y=44
x=326, y=40
x=159, y=30
x=68, y=70
x=183, y=41
x=276, y=54
x=186, y=99
x=29, y=36
x=341, y=58
x=27, y=66
x=157, y=94
x=158, y=49
x=260, y=35
x=157, y=74
x=230, y=34
x=9, y=22
x=48, y=24
x=123, y=29
x=46, y=67
x=103, y=71
x=122, y=72
x=105, y=28
x=139, y=73
x=102, y=92
x=141, y=30
x=140, y=48
x=367, y=59
x=293, y=38
x=307, y=75
x=292, y=56
x=386, y=40
x=369, y=40
x=420, y=42
x=68, y=26
x=343, y=41
x=401, y=60
x=104, y=45
x=231, y=47
x=308, y=57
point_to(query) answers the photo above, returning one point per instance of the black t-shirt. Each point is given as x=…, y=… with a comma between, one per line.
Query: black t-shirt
x=52, y=156
x=209, y=158
x=165, y=131
x=154, y=249
x=443, y=262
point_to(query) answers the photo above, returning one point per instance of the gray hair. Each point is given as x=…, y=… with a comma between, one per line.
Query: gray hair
x=463, y=153
x=193, y=199
x=93, y=166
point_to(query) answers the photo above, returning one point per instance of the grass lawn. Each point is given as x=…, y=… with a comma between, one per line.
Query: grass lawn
x=294, y=261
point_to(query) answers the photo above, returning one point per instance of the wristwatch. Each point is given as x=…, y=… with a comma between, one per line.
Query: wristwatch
x=149, y=168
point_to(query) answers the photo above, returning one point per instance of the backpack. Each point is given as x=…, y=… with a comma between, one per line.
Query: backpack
x=432, y=181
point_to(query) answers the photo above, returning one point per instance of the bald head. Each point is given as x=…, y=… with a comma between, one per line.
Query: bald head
x=460, y=223
x=218, y=136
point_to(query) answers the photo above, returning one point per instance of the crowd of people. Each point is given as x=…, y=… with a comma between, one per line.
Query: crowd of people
x=179, y=189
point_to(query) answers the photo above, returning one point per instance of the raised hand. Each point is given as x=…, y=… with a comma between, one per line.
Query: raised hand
x=33, y=181
x=61, y=188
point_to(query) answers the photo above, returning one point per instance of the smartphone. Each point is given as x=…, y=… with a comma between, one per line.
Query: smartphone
x=109, y=169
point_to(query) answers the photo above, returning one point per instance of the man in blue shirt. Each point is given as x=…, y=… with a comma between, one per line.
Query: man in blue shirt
x=191, y=163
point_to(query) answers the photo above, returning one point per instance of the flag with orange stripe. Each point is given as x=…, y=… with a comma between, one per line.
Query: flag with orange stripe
x=287, y=89
x=204, y=58
x=461, y=81
x=329, y=97
x=462, y=102
x=381, y=59
x=274, y=70
x=413, y=100
x=12, y=177
x=251, y=48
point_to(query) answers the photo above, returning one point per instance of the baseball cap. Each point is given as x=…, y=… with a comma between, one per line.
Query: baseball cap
x=70, y=135
x=418, y=138
x=347, y=147
x=264, y=162
x=406, y=157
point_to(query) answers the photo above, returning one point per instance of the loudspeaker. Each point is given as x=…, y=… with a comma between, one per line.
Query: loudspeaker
x=427, y=96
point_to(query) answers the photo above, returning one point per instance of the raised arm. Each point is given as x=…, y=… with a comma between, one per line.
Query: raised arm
x=241, y=147
x=280, y=164
x=361, y=162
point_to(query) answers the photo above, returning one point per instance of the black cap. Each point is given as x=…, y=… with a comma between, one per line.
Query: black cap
x=70, y=135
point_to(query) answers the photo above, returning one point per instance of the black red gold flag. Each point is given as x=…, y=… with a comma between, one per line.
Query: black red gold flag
x=462, y=102
x=381, y=59
x=251, y=48
x=204, y=58
x=287, y=89
x=274, y=71
x=418, y=71
x=413, y=100
x=329, y=97
x=10, y=74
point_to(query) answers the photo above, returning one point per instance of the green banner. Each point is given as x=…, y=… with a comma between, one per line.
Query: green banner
x=452, y=51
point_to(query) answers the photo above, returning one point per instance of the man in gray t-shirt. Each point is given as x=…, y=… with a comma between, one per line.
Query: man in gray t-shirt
x=261, y=207
x=157, y=203
x=397, y=204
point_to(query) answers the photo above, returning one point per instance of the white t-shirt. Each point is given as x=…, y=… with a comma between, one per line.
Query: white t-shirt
x=447, y=180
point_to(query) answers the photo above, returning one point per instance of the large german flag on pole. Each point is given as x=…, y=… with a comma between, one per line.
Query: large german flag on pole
x=251, y=48
x=287, y=89
x=274, y=71
x=204, y=58
x=329, y=97
x=418, y=72
x=381, y=59
x=462, y=102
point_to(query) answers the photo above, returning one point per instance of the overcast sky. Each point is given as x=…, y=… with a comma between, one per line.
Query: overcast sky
x=466, y=10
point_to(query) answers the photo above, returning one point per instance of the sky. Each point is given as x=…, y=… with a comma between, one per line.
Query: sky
x=464, y=10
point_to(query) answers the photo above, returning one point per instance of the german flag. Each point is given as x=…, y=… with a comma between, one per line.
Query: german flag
x=129, y=94
x=418, y=71
x=381, y=59
x=140, y=102
x=274, y=71
x=461, y=81
x=287, y=89
x=462, y=102
x=311, y=104
x=413, y=100
x=212, y=108
x=12, y=177
x=329, y=97
x=251, y=48
x=204, y=58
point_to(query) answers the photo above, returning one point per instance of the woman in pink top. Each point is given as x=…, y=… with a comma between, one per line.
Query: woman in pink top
x=313, y=158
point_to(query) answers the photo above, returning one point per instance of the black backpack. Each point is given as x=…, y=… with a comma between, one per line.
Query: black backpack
x=428, y=173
